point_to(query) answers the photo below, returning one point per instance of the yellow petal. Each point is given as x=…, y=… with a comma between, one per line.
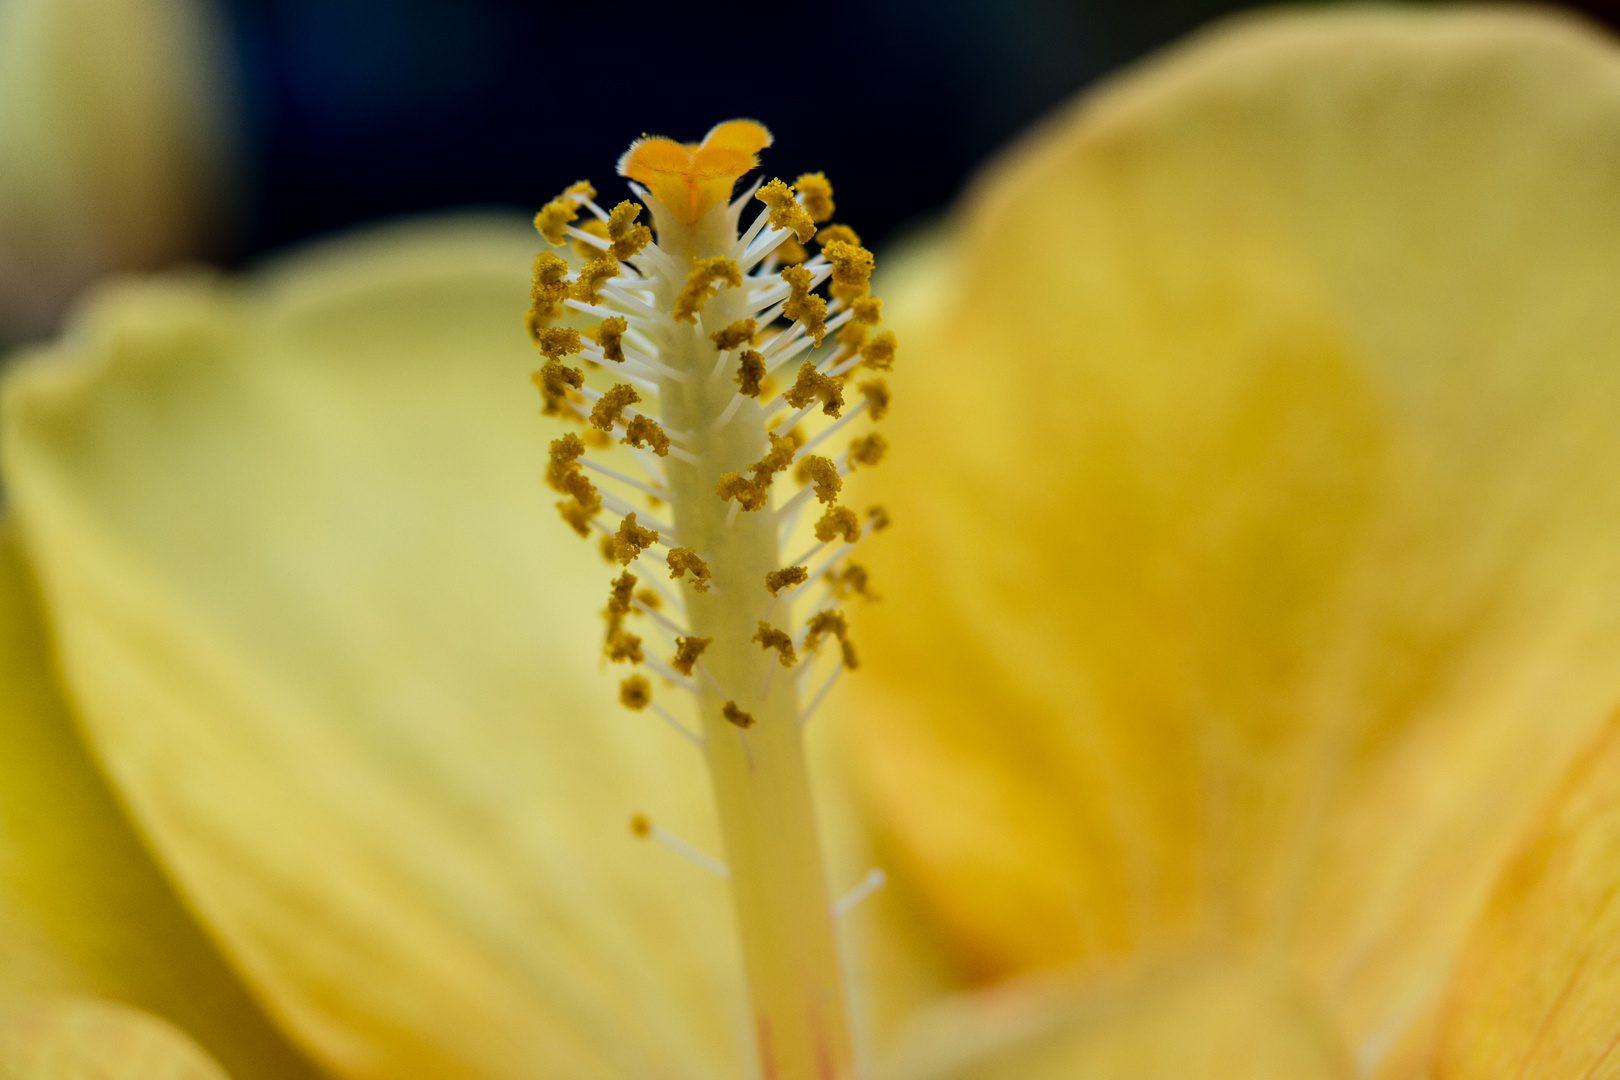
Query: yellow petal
x=1269, y=573
x=1217, y=1016
x=113, y=117
x=1534, y=994
x=83, y=909
x=89, y=1039
x=333, y=647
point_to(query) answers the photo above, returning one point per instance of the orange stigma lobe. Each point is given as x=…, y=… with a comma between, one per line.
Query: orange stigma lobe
x=691, y=177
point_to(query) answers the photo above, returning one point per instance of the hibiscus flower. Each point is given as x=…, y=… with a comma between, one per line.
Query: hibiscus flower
x=1235, y=706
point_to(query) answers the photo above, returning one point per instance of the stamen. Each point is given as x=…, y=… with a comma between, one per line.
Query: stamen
x=643, y=829
x=874, y=880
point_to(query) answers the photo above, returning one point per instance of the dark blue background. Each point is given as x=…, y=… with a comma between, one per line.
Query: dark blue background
x=361, y=108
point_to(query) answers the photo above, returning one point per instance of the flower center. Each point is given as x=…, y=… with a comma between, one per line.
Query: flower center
x=711, y=377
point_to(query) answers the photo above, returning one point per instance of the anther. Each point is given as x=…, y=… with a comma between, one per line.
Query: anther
x=815, y=193
x=632, y=540
x=547, y=291
x=623, y=592
x=867, y=450
x=877, y=396
x=590, y=279
x=683, y=560
x=812, y=385
x=769, y=637
x=635, y=693
x=751, y=374
x=822, y=474
x=643, y=431
x=852, y=268
x=687, y=651
x=608, y=407
x=879, y=517
x=702, y=283
x=785, y=211
x=838, y=521
x=868, y=309
x=628, y=237
x=738, y=333
x=777, y=580
x=804, y=306
x=736, y=716
x=878, y=353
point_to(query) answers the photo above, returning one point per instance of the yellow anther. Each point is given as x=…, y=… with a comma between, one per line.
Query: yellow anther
x=790, y=252
x=594, y=227
x=640, y=827
x=738, y=333
x=785, y=211
x=852, y=268
x=777, y=580
x=690, y=179
x=750, y=495
x=579, y=191
x=557, y=342
x=812, y=385
x=631, y=539
x=769, y=637
x=852, y=580
x=683, y=560
x=867, y=450
x=591, y=276
x=554, y=381
x=608, y=407
x=821, y=624
x=577, y=517
x=868, y=310
x=851, y=336
x=622, y=594
x=643, y=431
x=734, y=715
x=879, y=517
x=687, y=651
x=635, y=693
x=606, y=546
x=822, y=473
x=621, y=647
x=803, y=305
x=554, y=218
x=649, y=599
x=838, y=521
x=815, y=191
x=877, y=397
x=878, y=354
x=841, y=233
x=751, y=374
x=702, y=283
x=610, y=336
x=753, y=491
x=547, y=290
x=628, y=237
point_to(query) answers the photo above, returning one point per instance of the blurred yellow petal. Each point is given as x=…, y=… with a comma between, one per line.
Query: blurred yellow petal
x=1206, y=1016
x=83, y=910
x=1534, y=994
x=87, y=1039
x=1271, y=574
x=113, y=144
x=313, y=605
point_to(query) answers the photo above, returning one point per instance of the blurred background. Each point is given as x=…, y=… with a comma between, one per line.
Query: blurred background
x=138, y=133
